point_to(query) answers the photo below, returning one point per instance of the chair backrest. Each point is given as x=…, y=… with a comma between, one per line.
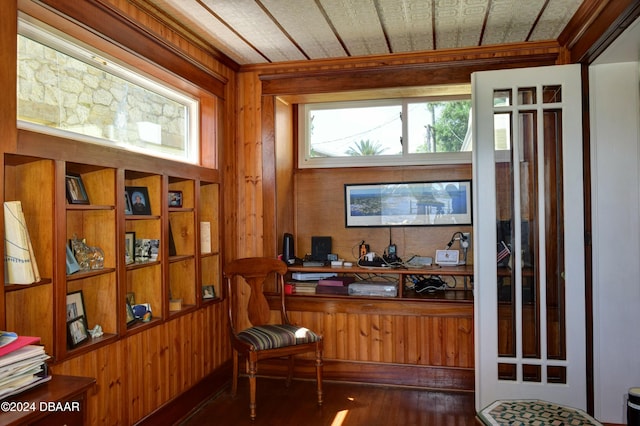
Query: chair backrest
x=254, y=271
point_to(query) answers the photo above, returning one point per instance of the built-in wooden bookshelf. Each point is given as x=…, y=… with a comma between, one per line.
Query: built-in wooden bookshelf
x=39, y=182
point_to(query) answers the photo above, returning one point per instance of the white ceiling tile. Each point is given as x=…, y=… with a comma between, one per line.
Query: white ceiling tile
x=554, y=19
x=199, y=20
x=510, y=21
x=250, y=21
x=308, y=27
x=358, y=25
x=408, y=24
x=459, y=22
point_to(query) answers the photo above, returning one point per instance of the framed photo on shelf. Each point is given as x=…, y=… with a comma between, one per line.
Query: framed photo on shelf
x=139, y=197
x=131, y=318
x=175, y=198
x=129, y=247
x=75, y=305
x=128, y=208
x=443, y=203
x=208, y=292
x=76, y=192
x=77, y=331
x=147, y=250
x=72, y=262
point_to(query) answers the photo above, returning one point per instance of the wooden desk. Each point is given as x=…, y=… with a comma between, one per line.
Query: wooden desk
x=62, y=400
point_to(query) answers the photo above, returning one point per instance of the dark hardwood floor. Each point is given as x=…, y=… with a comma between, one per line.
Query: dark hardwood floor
x=344, y=405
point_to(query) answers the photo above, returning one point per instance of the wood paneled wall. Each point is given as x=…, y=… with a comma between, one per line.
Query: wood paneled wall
x=405, y=347
x=319, y=195
x=144, y=371
x=140, y=373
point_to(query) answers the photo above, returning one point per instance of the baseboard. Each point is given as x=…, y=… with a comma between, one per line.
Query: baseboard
x=420, y=376
x=179, y=407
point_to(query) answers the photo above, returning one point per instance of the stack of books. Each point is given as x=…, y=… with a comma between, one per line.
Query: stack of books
x=301, y=287
x=22, y=364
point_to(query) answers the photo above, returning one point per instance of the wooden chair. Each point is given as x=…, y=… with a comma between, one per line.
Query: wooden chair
x=263, y=340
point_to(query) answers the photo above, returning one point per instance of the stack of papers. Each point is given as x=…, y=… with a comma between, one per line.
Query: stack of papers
x=22, y=364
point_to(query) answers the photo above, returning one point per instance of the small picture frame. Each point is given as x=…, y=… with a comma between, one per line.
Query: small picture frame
x=175, y=198
x=72, y=262
x=75, y=306
x=76, y=192
x=208, y=292
x=129, y=248
x=128, y=208
x=139, y=197
x=77, y=332
x=131, y=318
x=147, y=250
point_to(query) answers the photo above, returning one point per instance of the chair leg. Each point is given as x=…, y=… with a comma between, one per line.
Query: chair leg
x=234, y=381
x=290, y=372
x=253, y=368
x=319, y=374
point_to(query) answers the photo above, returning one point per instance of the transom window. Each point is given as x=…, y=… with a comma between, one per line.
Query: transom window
x=375, y=132
x=71, y=91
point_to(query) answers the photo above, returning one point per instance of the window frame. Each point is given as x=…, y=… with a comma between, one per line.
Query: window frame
x=159, y=81
x=405, y=159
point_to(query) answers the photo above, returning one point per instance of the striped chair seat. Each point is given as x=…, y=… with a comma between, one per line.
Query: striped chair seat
x=276, y=336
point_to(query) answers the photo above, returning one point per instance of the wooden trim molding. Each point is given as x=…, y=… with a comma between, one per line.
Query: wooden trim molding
x=416, y=70
x=98, y=17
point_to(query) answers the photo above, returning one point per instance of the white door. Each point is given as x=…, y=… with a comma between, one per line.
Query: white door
x=529, y=236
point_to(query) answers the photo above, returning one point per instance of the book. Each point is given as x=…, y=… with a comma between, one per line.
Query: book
x=336, y=281
x=19, y=259
x=17, y=343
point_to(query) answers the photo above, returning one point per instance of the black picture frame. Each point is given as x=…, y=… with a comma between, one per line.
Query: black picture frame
x=75, y=190
x=437, y=203
x=139, y=197
x=75, y=306
x=175, y=198
x=77, y=331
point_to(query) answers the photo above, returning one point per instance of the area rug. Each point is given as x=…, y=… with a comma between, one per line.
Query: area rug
x=534, y=413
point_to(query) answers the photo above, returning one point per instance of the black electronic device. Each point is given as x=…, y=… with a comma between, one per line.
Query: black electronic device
x=320, y=248
x=288, y=249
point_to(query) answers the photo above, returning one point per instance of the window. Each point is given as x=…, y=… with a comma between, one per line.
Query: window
x=71, y=91
x=374, y=132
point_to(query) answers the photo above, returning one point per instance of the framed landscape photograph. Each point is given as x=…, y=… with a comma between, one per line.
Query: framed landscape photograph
x=139, y=196
x=76, y=193
x=408, y=204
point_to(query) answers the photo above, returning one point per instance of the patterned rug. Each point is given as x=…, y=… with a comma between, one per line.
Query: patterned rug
x=534, y=413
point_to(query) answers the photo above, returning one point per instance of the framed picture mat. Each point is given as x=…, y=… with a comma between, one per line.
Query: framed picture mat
x=437, y=203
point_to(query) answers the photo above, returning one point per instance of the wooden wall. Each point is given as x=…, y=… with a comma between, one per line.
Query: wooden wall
x=186, y=358
x=319, y=211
